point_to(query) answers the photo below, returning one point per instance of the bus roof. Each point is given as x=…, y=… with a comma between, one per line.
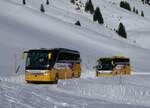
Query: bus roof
x=54, y=49
x=113, y=57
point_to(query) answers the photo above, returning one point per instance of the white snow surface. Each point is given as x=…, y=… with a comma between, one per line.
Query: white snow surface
x=24, y=27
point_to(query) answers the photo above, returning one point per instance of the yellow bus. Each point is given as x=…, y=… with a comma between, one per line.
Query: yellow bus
x=49, y=65
x=111, y=66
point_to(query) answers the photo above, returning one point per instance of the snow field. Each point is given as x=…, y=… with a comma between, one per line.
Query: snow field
x=125, y=89
x=23, y=30
x=79, y=93
x=25, y=27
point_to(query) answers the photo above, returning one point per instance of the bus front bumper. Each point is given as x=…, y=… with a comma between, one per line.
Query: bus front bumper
x=42, y=77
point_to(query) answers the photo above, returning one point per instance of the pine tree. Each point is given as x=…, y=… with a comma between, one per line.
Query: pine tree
x=98, y=16
x=78, y=23
x=147, y=1
x=89, y=7
x=47, y=2
x=72, y=1
x=137, y=12
x=23, y=2
x=122, y=4
x=134, y=9
x=142, y=13
x=121, y=31
x=42, y=8
x=142, y=1
x=125, y=5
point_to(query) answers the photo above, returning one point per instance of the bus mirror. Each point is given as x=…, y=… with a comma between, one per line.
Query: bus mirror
x=49, y=56
x=94, y=67
x=24, y=55
x=80, y=60
x=99, y=66
x=113, y=64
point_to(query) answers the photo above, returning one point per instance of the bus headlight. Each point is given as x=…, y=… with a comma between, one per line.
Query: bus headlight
x=45, y=73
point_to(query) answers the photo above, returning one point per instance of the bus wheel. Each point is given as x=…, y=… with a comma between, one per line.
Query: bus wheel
x=72, y=75
x=56, y=79
x=29, y=81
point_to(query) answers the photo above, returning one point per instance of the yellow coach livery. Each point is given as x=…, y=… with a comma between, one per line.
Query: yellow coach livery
x=49, y=65
x=111, y=66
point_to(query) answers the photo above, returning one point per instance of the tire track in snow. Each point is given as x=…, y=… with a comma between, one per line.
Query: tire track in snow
x=8, y=93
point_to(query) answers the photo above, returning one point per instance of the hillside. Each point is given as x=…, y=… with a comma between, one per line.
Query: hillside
x=28, y=28
x=24, y=27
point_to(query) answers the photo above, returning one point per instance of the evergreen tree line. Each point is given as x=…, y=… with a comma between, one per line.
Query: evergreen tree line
x=146, y=2
x=125, y=5
x=77, y=3
x=137, y=12
x=42, y=9
x=97, y=15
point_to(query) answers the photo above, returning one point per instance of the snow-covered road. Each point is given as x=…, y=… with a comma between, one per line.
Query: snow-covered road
x=24, y=27
x=115, y=92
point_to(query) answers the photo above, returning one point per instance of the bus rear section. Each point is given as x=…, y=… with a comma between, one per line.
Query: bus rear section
x=111, y=66
x=68, y=64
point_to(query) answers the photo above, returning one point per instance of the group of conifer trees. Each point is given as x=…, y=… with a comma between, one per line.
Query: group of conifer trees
x=146, y=2
x=42, y=9
x=97, y=15
x=126, y=5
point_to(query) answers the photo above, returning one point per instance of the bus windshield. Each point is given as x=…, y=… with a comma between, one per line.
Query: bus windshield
x=38, y=60
x=105, y=65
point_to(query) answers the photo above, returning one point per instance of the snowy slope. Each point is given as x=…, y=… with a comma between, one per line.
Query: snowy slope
x=137, y=27
x=107, y=92
x=25, y=27
x=28, y=28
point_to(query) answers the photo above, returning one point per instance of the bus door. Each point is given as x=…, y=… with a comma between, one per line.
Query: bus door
x=64, y=70
x=121, y=66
